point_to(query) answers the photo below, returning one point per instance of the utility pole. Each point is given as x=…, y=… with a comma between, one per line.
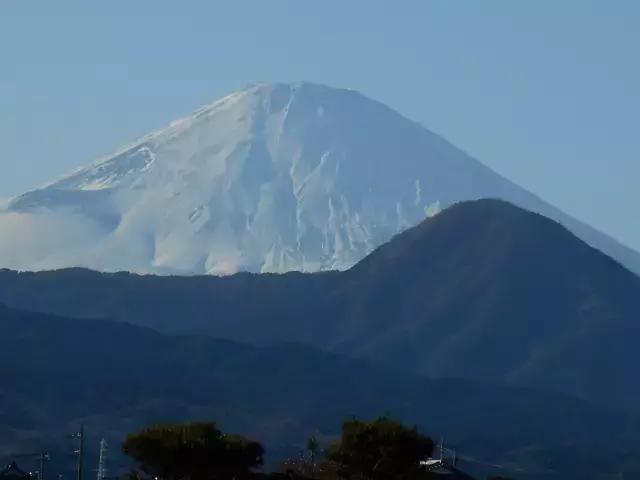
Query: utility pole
x=80, y=451
x=43, y=457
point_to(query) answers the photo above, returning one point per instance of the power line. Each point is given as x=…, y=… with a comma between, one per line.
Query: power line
x=511, y=468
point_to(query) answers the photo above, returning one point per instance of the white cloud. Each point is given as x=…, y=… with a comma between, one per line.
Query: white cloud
x=32, y=238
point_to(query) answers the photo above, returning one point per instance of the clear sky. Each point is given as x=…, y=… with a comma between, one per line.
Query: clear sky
x=545, y=92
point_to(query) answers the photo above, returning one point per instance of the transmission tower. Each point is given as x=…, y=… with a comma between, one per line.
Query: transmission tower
x=102, y=463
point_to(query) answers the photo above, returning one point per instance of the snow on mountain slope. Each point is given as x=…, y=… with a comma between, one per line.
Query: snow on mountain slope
x=274, y=178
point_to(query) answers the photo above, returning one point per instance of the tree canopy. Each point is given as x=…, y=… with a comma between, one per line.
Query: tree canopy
x=380, y=449
x=194, y=451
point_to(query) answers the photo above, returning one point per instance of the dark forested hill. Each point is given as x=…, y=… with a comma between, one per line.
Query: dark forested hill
x=116, y=377
x=484, y=290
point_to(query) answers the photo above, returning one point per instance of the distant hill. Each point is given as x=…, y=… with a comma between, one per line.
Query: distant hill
x=116, y=377
x=483, y=290
x=489, y=291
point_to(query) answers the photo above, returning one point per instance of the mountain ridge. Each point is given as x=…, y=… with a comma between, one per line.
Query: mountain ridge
x=57, y=372
x=273, y=178
x=484, y=290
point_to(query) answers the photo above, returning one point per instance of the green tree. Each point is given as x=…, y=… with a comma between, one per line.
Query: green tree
x=193, y=451
x=313, y=446
x=381, y=449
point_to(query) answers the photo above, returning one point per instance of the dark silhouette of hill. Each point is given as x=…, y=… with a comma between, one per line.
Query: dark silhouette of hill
x=116, y=377
x=491, y=291
x=483, y=290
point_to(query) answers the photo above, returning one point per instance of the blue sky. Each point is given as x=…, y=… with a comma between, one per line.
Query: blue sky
x=544, y=92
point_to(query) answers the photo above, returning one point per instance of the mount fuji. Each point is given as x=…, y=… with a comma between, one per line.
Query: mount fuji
x=274, y=178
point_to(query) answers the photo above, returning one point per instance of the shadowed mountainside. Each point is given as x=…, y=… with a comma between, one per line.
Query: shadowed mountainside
x=116, y=377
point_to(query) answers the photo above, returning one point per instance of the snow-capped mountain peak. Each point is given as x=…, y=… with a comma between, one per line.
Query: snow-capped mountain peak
x=276, y=177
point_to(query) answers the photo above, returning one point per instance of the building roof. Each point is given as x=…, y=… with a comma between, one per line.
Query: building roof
x=12, y=470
